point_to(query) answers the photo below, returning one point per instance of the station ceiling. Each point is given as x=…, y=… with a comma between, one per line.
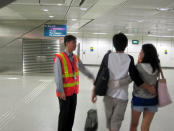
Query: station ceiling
x=146, y=17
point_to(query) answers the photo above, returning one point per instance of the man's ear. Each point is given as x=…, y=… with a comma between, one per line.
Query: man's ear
x=66, y=44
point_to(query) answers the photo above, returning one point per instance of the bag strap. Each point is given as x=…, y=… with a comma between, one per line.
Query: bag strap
x=104, y=63
x=107, y=58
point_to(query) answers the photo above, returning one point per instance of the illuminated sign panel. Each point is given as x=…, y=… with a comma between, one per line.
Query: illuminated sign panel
x=135, y=41
x=55, y=30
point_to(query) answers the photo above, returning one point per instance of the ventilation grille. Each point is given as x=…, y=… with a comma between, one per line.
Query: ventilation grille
x=38, y=55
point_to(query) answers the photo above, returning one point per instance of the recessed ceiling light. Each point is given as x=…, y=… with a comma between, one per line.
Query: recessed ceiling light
x=51, y=16
x=74, y=19
x=45, y=10
x=83, y=9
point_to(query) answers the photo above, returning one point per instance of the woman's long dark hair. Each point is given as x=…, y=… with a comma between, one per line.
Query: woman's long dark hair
x=151, y=56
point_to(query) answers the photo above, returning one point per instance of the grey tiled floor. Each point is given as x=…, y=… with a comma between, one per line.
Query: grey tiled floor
x=29, y=103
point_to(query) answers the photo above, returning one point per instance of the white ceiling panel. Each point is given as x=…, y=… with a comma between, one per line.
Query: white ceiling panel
x=101, y=8
x=50, y=2
x=85, y=4
x=76, y=25
x=32, y=12
x=75, y=13
x=133, y=12
x=47, y=2
x=128, y=16
x=7, y=13
x=135, y=16
x=74, y=3
x=26, y=2
x=149, y=4
x=89, y=3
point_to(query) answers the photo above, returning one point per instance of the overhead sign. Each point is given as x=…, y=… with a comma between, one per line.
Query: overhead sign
x=55, y=30
x=135, y=41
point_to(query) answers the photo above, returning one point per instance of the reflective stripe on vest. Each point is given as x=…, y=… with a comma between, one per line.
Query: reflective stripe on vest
x=68, y=76
x=70, y=84
x=64, y=63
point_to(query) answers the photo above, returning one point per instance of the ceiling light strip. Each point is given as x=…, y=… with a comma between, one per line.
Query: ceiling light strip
x=99, y=33
x=161, y=36
x=72, y=32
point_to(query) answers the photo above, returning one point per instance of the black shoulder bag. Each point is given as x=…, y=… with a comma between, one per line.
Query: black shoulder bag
x=102, y=77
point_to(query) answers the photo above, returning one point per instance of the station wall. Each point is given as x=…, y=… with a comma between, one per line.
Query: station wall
x=101, y=44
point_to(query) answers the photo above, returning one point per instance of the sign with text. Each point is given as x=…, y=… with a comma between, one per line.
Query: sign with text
x=135, y=42
x=55, y=30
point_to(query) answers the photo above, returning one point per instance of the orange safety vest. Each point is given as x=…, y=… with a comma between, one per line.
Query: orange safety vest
x=70, y=74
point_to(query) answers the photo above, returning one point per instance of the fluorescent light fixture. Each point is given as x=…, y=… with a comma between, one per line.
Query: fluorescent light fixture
x=161, y=36
x=99, y=33
x=72, y=32
x=74, y=19
x=83, y=9
x=140, y=21
x=51, y=16
x=162, y=9
x=169, y=29
x=59, y=4
x=129, y=34
x=13, y=78
x=45, y=10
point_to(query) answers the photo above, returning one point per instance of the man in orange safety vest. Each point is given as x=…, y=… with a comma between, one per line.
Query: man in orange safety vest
x=66, y=70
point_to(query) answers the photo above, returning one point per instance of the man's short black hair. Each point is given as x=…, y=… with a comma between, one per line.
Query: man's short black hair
x=69, y=38
x=120, y=41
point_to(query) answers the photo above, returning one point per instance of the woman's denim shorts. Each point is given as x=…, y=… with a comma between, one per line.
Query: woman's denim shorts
x=153, y=108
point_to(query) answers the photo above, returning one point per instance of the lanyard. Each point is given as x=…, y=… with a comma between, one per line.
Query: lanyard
x=72, y=63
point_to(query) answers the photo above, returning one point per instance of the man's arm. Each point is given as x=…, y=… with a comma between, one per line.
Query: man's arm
x=85, y=71
x=125, y=81
x=134, y=74
x=58, y=78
